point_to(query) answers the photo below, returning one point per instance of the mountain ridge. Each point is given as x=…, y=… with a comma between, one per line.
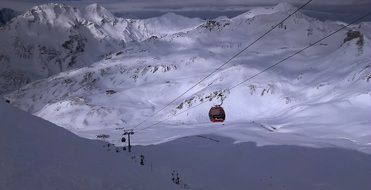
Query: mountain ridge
x=84, y=37
x=130, y=84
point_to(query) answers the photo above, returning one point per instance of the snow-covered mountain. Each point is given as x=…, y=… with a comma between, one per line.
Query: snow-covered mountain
x=6, y=15
x=320, y=97
x=53, y=38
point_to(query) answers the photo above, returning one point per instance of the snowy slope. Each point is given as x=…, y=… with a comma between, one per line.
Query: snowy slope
x=319, y=98
x=38, y=155
x=53, y=38
x=212, y=162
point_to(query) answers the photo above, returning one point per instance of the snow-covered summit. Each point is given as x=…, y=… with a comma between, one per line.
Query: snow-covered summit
x=60, y=15
x=284, y=6
x=98, y=14
x=281, y=7
x=171, y=23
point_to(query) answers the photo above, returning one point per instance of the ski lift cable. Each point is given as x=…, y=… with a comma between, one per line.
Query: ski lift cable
x=225, y=63
x=268, y=68
x=161, y=121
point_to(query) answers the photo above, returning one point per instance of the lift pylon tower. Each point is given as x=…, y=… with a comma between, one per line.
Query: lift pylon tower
x=128, y=132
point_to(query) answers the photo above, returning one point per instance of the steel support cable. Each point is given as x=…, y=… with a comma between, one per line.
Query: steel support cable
x=270, y=67
x=225, y=63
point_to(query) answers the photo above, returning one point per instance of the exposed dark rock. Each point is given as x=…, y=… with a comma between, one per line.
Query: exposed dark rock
x=6, y=15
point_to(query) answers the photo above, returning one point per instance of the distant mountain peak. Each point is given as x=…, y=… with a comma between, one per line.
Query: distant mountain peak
x=284, y=6
x=53, y=13
x=96, y=13
x=171, y=14
x=56, y=7
x=281, y=7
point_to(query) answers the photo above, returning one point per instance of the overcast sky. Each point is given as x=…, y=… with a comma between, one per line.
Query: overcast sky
x=344, y=10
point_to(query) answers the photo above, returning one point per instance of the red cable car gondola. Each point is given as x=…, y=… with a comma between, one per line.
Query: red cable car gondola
x=217, y=114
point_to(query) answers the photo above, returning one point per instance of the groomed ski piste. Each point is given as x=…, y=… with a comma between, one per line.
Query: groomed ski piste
x=312, y=109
